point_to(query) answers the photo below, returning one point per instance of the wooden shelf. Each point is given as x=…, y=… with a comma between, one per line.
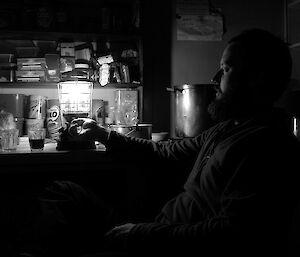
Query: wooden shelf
x=57, y=36
x=42, y=85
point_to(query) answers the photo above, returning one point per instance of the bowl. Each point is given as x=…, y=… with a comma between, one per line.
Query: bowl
x=159, y=136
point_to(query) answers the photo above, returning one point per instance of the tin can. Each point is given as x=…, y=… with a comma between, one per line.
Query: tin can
x=54, y=118
x=36, y=107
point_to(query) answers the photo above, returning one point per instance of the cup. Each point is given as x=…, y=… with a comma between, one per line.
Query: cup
x=9, y=139
x=36, y=139
x=54, y=118
x=32, y=124
x=36, y=107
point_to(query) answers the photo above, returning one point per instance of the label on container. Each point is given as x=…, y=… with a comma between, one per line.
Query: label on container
x=54, y=121
x=37, y=107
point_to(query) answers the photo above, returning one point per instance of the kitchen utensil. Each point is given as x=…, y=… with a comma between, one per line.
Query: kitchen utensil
x=190, y=115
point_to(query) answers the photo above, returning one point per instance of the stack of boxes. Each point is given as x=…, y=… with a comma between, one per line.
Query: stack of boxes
x=31, y=70
x=75, y=59
x=35, y=66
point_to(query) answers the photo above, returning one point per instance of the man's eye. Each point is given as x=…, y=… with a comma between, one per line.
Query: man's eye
x=225, y=69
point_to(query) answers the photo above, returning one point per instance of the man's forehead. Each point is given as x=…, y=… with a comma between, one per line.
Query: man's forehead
x=233, y=54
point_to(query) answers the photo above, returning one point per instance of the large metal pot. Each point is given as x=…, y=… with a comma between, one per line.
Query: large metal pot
x=190, y=115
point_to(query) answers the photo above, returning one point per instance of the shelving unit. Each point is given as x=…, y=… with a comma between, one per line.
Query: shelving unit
x=54, y=85
x=93, y=22
x=56, y=36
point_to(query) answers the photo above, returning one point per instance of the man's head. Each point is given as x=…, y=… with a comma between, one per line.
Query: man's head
x=255, y=70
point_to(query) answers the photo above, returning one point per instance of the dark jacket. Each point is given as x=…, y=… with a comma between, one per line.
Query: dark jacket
x=239, y=196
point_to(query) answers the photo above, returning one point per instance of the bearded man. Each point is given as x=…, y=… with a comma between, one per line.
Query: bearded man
x=239, y=197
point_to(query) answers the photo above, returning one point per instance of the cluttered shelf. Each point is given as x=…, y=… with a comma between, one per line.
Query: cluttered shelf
x=54, y=85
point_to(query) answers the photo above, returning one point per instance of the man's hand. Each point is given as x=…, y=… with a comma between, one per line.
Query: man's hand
x=85, y=129
x=120, y=230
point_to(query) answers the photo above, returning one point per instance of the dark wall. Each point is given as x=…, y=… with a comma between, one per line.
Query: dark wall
x=197, y=61
x=157, y=62
x=168, y=61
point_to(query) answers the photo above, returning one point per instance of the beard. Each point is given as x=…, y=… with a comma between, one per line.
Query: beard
x=231, y=105
x=219, y=109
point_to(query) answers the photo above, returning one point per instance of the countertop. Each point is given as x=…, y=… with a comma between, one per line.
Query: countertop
x=49, y=147
x=50, y=159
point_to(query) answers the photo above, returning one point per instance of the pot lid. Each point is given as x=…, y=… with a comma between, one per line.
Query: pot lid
x=192, y=86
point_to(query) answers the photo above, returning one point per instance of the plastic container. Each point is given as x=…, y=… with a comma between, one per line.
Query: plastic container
x=126, y=107
x=9, y=139
x=13, y=103
x=7, y=75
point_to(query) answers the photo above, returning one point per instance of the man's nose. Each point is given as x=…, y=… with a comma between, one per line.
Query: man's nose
x=217, y=78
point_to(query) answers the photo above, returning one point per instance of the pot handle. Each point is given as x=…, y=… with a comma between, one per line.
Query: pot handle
x=131, y=131
x=171, y=89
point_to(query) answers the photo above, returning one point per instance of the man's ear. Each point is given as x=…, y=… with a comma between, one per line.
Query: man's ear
x=257, y=79
x=258, y=87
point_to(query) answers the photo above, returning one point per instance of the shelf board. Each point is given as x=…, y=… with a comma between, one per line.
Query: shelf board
x=42, y=85
x=118, y=85
x=42, y=35
x=28, y=85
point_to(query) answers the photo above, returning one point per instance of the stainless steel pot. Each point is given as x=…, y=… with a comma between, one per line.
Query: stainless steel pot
x=190, y=115
x=139, y=130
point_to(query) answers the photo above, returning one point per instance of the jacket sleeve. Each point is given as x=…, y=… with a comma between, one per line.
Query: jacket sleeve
x=180, y=150
x=157, y=237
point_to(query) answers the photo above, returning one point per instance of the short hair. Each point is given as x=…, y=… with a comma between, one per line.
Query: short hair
x=271, y=55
